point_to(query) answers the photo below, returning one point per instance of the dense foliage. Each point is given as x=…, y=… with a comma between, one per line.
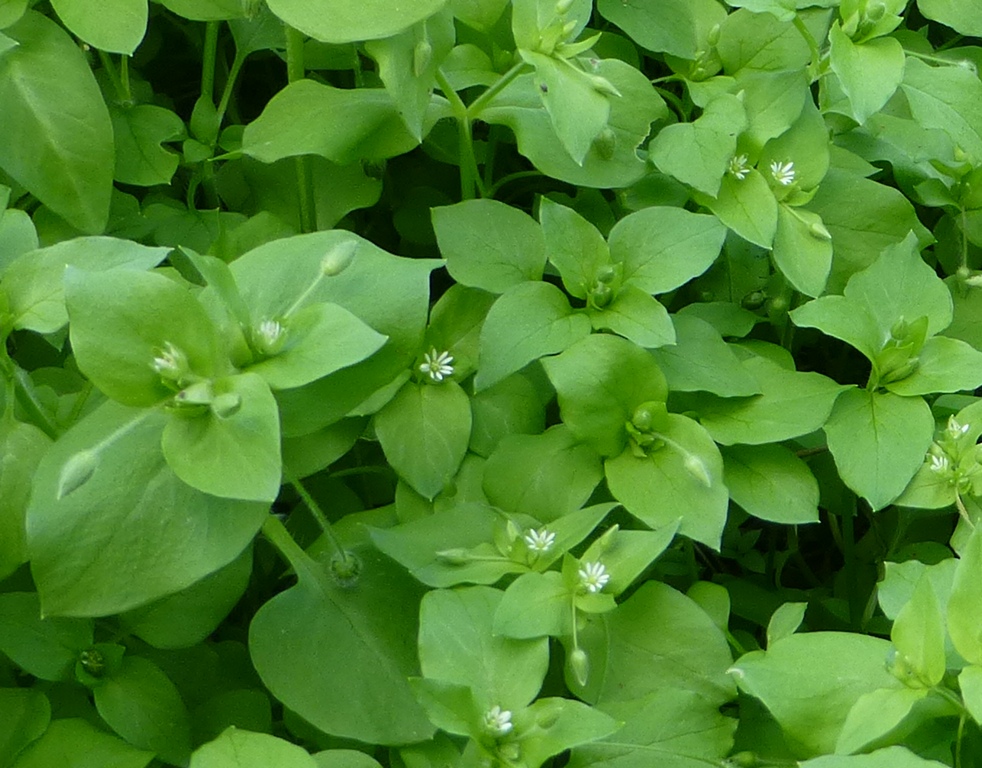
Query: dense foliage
x=489, y=384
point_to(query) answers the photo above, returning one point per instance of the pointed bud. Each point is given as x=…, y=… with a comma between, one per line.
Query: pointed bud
x=563, y=6
x=603, y=85
x=579, y=665
x=77, y=471
x=422, y=56
x=606, y=143
x=697, y=468
x=453, y=556
x=337, y=259
x=818, y=230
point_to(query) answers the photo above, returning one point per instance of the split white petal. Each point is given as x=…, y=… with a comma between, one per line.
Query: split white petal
x=738, y=167
x=540, y=541
x=783, y=173
x=497, y=721
x=437, y=365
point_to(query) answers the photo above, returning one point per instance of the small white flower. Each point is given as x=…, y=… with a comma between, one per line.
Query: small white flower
x=956, y=429
x=939, y=464
x=268, y=337
x=738, y=167
x=437, y=366
x=783, y=173
x=593, y=577
x=170, y=362
x=540, y=541
x=497, y=721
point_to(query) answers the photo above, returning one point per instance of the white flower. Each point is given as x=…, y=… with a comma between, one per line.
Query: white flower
x=939, y=464
x=170, y=362
x=268, y=337
x=540, y=541
x=497, y=721
x=738, y=167
x=955, y=429
x=437, y=366
x=783, y=173
x=593, y=576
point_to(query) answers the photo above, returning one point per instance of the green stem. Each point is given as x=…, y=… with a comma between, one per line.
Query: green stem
x=470, y=180
x=320, y=517
x=24, y=391
x=492, y=190
x=233, y=75
x=107, y=64
x=280, y=538
x=962, y=510
x=933, y=59
x=208, y=59
x=124, y=78
x=849, y=555
x=812, y=46
x=305, y=187
x=474, y=110
x=674, y=100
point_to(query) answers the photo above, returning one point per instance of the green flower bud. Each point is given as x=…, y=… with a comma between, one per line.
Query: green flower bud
x=338, y=259
x=579, y=665
x=698, y=469
x=603, y=85
x=745, y=759
x=422, y=56
x=875, y=11
x=601, y=295
x=453, y=556
x=171, y=364
x=226, y=405
x=606, y=143
x=753, y=300
x=606, y=274
x=713, y=37
x=93, y=662
x=818, y=230
x=563, y=7
x=77, y=471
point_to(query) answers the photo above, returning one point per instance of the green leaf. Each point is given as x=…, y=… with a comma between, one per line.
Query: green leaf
x=750, y=40
x=546, y=475
x=899, y=284
x=868, y=72
x=944, y=365
x=627, y=554
x=143, y=706
x=970, y=684
x=510, y=407
x=613, y=160
x=123, y=319
x=22, y=446
x=27, y=715
x=678, y=728
x=831, y=671
x=320, y=639
x=17, y=236
x=86, y=546
x=802, y=249
x=878, y=441
x=44, y=647
x=864, y=218
x=842, y=318
x=947, y=98
x=966, y=601
x=600, y=381
x=771, y=483
x=897, y=587
x=456, y=644
x=660, y=488
x=636, y=316
x=463, y=528
x=234, y=455
x=700, y=361
x=34, y=283
x=791, y=404
x=139, y=131
x=424, y=431
x=963, y=16
x=188, y=617
x=407, y=72
x=660, y=248
x=207, y=10
x=58, y=139
x=698, y=153
x=889, y=757
x=919, y=636
x=449, y=706
x=527, y=322
x=806, y=143
x=574, y=246
x=746, y=206
x=374, y=130
x=658, y=639
x=678, y=27
x=560, y=724
x=489, y=245
x=535, y=605
x=785, y=621
x=74, y=743
x=337, y=21
x=11, y=11
x=236, y=748
x=116, y=26
x=320, y=339
x=727, y=318
x=875, y=714
x=773, y=102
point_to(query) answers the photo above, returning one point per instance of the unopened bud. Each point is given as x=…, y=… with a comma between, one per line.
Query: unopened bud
x=603, y=85
x=579, y=665
x=818, y=230
x=713, y=37
x=875, y=11
x=606, y=143
x=453, y=556
x=697, y=468
x=601, y=295
x=337, y=259
x=77, y=471
x=568, y=28
x=422, y=56
x=563, y=6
